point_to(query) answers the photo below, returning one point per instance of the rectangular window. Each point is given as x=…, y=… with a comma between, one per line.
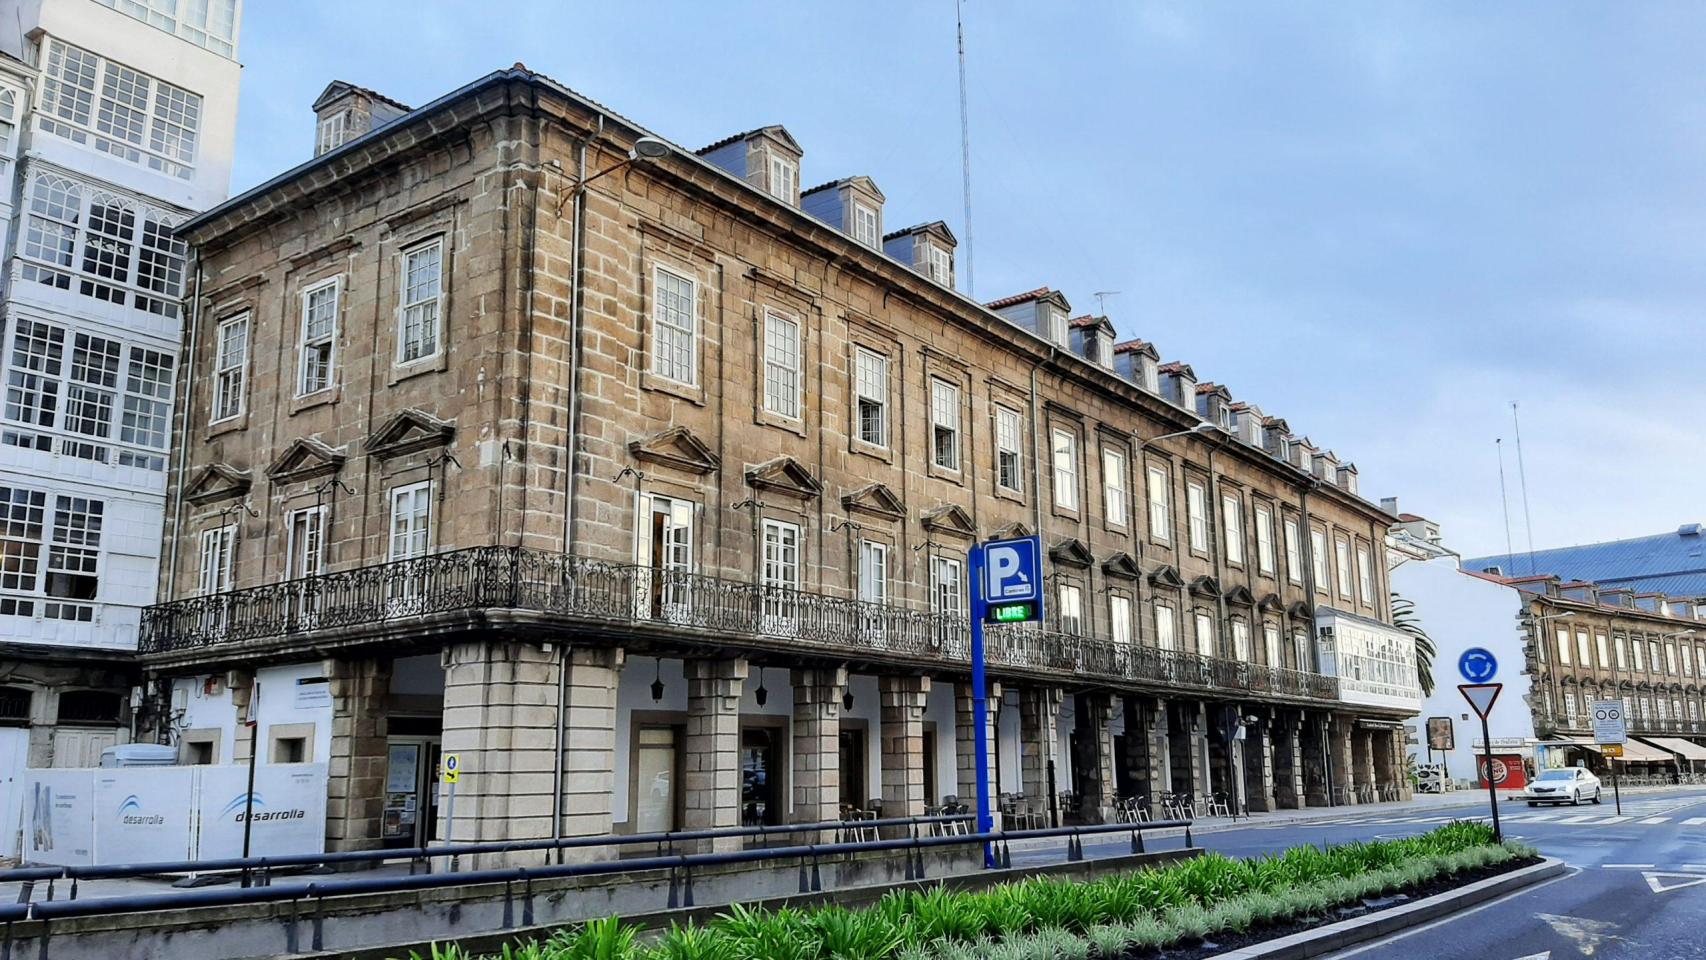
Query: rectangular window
x=1670, y=658
x=1057, y=327
x=1240, y=640
x=210, y=24
x=781, y=365
x=1584, y=652
x=422, y=304
x=119, y=111
x=1636, y=655
x=411, y=509
x=1264, y=539
x=1271, y=645
x=23, y=525
x=1365, y=575
x=1564, y=646
x=1293, y=553
x=331, y=132
x=941, y=266
x=1196, y=515
x=947, y=588
x=1065, y=470
x=784, y=178
x=1166, y=631
x=1009, y=446
x=663, y=549
x=1318, y=559
x=1687, y=660
x=217, y=552
x=1205, y=634
x=871, y=384
x=319, y=330
x=780, y=574
x=1071, y=614
x=1114, y=486
x=118, y=250
x=231, y=368
x=945, y=424
x=1342, y=553
x=675, y=319
x=1300, y=640
x=1160, y=507
x=73, y=559
x=1232, y=519
x=1119, y=617
x=147, y=416
x=1622, y=653
x=865, y=226
x=873, y=571
x=1653, y=655
x=305, y=550
x=1601, y=646
x=91, y=395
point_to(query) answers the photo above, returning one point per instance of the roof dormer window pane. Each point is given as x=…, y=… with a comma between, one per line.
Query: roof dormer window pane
x=941, y=265
x=1227, y=420
x=865, y=225
x=1057, y=327
x=784, y=178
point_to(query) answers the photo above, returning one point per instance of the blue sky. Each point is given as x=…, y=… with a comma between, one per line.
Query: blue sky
x=1384, y=222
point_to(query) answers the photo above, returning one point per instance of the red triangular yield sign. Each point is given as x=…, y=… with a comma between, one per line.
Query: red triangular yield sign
x=1480, y=696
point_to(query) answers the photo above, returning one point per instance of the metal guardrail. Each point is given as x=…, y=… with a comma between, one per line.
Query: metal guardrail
x=481, y=578
x=680, y=867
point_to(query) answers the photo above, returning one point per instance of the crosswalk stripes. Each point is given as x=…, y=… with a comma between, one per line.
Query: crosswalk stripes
x=1694, y=821
x=1553, y=818
x=1652, y=820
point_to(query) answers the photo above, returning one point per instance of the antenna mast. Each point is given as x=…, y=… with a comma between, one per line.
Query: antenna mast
x=1522, y=478
x=965, y=146
x=1503, y=499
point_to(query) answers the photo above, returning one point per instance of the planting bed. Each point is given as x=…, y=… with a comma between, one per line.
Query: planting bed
x=1185, y=911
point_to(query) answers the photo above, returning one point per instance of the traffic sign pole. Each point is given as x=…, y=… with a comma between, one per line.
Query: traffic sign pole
x=1492, y=792
x=1481, y=697
x=980, y=704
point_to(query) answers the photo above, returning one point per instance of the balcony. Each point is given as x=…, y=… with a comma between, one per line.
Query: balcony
x=493, y=586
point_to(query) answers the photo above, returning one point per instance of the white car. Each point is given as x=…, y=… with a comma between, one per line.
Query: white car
x=1570, y=785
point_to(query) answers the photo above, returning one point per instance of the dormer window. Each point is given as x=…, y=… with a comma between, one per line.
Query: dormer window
x=1057, y=327
x=1227, y=420
x=941, y=266
x=865, y=225
x=784, y=178
x=333, y=130
x=1285, y=449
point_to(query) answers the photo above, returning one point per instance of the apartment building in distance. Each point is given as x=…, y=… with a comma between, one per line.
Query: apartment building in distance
x=117, y=121
x=643, y=480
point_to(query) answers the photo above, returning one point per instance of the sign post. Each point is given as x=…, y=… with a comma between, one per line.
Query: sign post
x=450, y=771
x=1611, y=731
x=1006, y=587
x=254, y=725
x=1481, y=697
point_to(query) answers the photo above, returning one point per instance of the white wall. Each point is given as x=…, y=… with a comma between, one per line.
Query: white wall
x=285, y=701
x=203, y=711
x=1460, y=611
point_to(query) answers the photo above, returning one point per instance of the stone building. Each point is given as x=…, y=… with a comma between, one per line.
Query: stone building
x=609, y=467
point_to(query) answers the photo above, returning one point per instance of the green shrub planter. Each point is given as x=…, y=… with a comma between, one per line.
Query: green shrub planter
x=1138, y=913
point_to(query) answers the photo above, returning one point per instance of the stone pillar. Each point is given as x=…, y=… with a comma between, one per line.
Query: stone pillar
x=711, y=775
x=1096, y=804
x=817, y=743
x=1401, y=766
x=1157, y=731
x=1039, y=732
x=1362, y=757
x=589, y=747
x=1259, y=767
x=903, y=700
x=500, y=719
x=965, y=744
x=1316, y=747
x=1339, y=748
x=355, y=784
x=1288, y=762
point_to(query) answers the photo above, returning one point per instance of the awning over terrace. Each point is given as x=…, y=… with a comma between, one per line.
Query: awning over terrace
x=1682, y=748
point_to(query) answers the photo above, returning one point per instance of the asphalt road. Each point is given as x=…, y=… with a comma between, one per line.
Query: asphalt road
x=1636, y=885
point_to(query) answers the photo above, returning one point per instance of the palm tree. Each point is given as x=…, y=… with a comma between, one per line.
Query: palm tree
x=1404, y=617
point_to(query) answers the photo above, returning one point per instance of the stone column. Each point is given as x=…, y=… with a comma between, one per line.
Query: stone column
x=1259, y=767
x=965, y=744
x=903, y=700
x=589, y=746
x=1401, y=766
x=1096, y=805
x=1288, y=762
x=1339, y=748
x=817, y=743
x=711, y=777
x=1362, y=747
x=1157, y=731
x=500, y=718
x=355, y=784
x=1316, y=747
x=1039, y=732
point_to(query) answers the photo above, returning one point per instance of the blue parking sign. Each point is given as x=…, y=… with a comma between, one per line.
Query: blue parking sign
x=1010, y=580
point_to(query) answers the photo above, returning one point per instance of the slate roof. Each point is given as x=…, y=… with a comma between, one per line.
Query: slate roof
x=1673, y=563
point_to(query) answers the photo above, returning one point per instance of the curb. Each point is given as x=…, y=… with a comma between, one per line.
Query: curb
x=1349, y=933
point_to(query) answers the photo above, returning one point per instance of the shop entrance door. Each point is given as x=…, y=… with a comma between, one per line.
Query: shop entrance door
x=759, y=777
x=410, y=817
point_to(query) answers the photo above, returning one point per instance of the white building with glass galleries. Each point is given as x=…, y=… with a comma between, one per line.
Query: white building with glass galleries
x=117, y=119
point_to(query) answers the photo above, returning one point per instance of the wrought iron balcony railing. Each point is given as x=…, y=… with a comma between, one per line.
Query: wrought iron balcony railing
x=550, y=584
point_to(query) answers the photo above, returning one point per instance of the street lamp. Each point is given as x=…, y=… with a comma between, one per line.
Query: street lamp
x=1202, y=429
x=645, y=148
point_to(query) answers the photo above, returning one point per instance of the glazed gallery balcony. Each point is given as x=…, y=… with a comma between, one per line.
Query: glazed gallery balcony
x=464, y=591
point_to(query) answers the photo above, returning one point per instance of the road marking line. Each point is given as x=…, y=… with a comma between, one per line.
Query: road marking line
x=1614, y=820
x=1694, y=821
x=1652, y=820
x=1628, y=866
x=1575, y=819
